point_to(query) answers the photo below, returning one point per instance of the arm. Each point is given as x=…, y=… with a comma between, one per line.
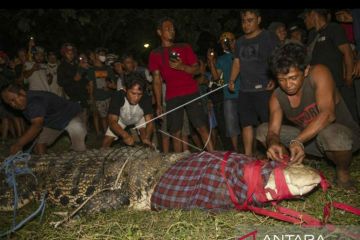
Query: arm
x=348, y=62
x=157, y=89
x=145, y=133
x=235, y=70
x=28, y=73
x=118, y=130
x=29, y=135
x=179, y=65
x=275, y=148
x=325, y=93
x=215, y=73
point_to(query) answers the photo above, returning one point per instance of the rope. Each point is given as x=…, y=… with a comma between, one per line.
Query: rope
x=165, y=113
x=189, y=144
x=58, y=223
x=41, y=209
x=11, y=171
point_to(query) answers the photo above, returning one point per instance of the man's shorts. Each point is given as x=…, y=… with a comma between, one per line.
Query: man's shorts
x=253, y=106
x=194, y=112
x=334, y=137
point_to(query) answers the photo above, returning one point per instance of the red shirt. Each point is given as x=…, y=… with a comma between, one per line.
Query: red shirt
x=178, y=83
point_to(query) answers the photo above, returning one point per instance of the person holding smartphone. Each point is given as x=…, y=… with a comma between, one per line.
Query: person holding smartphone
x=176, y=63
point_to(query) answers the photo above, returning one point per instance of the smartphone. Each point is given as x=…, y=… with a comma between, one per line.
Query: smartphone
x=173, y=55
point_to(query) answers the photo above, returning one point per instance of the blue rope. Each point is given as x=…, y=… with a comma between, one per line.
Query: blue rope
x=11, y=171
x=41, y=209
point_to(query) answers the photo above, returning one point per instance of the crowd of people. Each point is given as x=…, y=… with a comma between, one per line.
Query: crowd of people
x=294, y=90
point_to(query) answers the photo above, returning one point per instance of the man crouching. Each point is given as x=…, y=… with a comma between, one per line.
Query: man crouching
x=130, y=106
x=307, y=96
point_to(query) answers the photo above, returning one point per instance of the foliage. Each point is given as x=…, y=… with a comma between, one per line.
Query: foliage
x=117, y=29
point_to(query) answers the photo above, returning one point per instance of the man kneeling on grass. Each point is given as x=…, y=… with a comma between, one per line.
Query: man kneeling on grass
x=307, y=96
x=130, y=106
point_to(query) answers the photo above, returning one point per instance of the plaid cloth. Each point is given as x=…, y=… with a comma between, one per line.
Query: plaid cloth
x=196, y=182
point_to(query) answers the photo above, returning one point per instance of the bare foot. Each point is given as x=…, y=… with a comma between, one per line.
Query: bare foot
x=349, y=185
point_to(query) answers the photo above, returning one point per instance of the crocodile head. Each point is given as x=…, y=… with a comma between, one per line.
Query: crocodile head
x=300, y=180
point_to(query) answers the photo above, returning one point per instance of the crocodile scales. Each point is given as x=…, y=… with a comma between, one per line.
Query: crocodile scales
x=79, y=175
x=129, y=174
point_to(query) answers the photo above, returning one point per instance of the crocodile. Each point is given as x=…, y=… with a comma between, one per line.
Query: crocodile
x=113, y=178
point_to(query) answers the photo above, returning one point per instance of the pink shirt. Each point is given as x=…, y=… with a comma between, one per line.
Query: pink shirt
x=178, y=83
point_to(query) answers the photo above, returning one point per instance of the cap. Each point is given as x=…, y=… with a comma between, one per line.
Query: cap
x=275, y=25
x=228, y=35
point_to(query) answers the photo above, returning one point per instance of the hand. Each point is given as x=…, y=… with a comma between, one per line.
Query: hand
x=270, y=86
x=297, y=153
x=15, y=148
x=159, y=110
x=128, y=140
x=147, y=142
x=356, y=72
x=277, y=152
x=31, y=42
x=231, y=86
x=176, y=64
x=211, y=55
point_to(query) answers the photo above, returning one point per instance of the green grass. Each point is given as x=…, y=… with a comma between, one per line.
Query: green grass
x=178, y=224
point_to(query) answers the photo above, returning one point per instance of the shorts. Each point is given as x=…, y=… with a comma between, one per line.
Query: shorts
x=194, y=112
x=76, y=129
x=253, y=106
x=335, y=137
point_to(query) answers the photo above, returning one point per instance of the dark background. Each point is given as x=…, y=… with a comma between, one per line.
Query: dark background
x=122, y=30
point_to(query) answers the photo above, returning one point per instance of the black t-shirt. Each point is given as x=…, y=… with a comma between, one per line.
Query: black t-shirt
x=254, y=54
x=76, y=90
x=127, y=113
x=326, y=50
x=57, y=111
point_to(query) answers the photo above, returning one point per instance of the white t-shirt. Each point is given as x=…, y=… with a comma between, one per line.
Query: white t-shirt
x=38, y=79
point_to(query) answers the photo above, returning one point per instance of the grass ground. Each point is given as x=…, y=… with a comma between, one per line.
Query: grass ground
x=196, y=224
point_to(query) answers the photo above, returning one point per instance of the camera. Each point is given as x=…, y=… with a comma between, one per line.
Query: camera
x=173, y=55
